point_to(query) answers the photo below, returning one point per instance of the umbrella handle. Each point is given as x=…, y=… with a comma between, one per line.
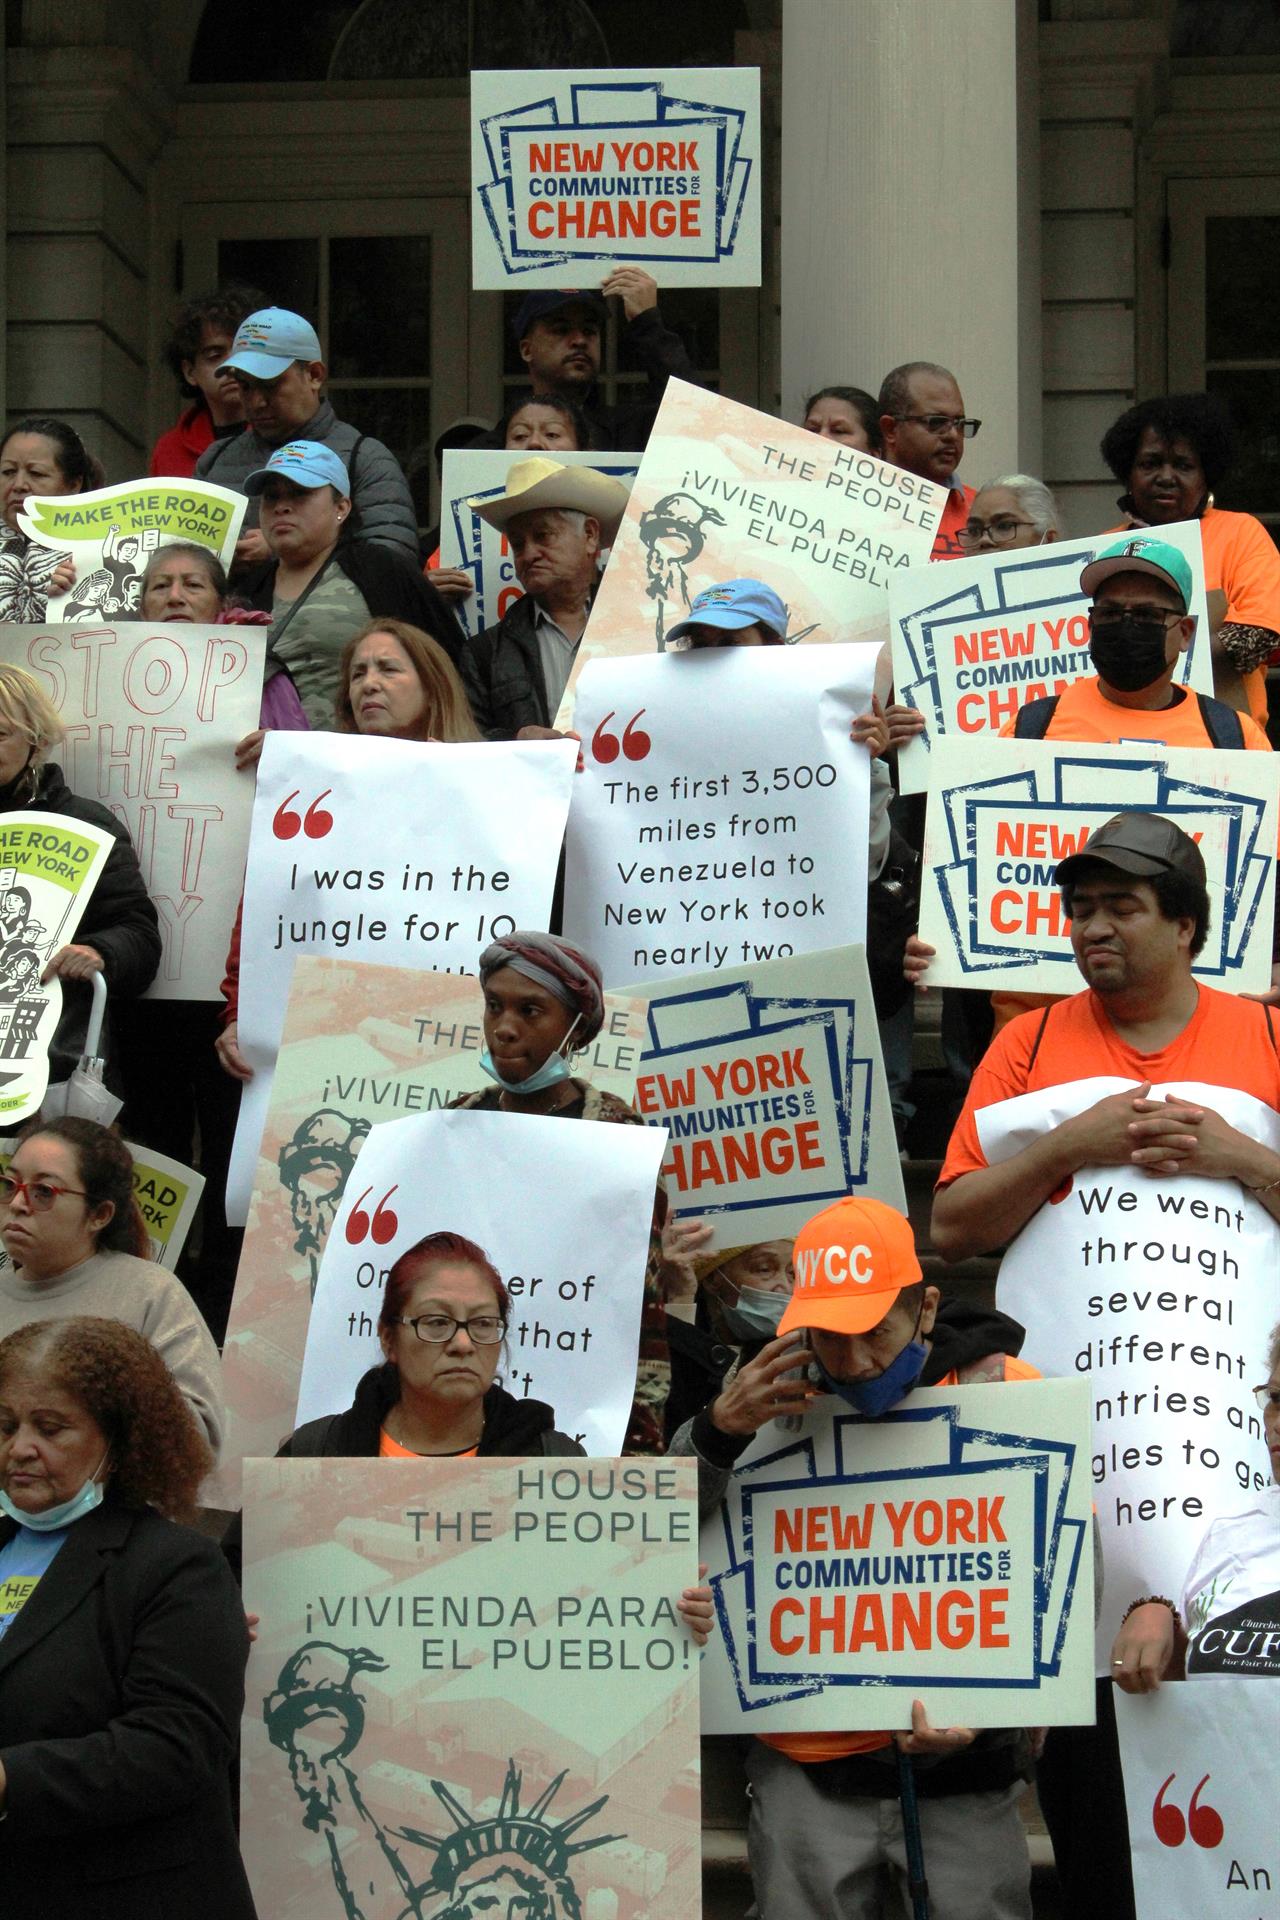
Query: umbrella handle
x=97, y=1014
x=917, y=1884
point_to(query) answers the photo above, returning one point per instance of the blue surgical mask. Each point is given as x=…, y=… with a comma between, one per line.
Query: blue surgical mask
x=66, y=1513
x=553, y=1070
x=755, y=1315
x=873, y=1397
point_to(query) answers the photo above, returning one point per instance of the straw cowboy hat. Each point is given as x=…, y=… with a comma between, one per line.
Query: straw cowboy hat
x=537, y=484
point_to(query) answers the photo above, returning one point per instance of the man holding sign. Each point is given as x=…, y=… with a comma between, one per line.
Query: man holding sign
x=1149, y=1100
x=863, y=1325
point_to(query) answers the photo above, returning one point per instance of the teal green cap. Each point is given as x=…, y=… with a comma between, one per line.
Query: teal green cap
x=1140, y=553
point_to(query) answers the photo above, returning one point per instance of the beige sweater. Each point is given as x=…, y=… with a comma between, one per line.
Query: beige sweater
x=147, y=1298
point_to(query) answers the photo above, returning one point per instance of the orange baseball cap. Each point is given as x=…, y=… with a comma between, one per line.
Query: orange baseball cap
x=851, y=1261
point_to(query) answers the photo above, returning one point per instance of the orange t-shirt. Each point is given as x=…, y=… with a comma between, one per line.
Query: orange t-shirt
x=954, y=516
x=809, y=1748
x=1227, y=1042
x=389, y=1449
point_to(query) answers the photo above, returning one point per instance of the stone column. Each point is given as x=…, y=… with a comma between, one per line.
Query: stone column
x=910, y=201
x=84, y=126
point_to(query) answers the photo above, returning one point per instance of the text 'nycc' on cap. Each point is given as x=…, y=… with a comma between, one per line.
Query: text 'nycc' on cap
x=851, y=1260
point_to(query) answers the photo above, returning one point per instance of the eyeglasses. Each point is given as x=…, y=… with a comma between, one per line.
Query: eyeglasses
x=999, y=531
x=1266, y=1397
x=1108, y=613
x=39, y=1195
x=943, y=423
x=437, y=1328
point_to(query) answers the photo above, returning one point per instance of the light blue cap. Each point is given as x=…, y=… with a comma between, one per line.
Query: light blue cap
x=731, y=605
x=268, y=342
x=308, y=463
x=1140, y=553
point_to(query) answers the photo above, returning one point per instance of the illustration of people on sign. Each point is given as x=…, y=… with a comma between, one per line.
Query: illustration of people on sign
x=15, y=919
x=114, y=589
x=516, y=1861
x=673, y=536
x=314, y=1166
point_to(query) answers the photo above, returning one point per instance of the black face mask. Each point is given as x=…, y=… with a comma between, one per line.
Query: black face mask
x=1129, y=654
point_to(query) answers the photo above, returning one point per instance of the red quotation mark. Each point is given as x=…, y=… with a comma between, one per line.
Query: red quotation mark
x=315, y=824
x=1203, y=1823
x=635, y=743
x=384, y=1226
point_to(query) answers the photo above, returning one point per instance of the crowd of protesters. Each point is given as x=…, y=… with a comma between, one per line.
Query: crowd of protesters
x=120, y=1690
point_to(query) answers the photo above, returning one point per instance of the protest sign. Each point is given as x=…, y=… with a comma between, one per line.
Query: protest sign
x=1161, y=1292
x=564, y=1213
x=1002, y=813
x=468, y=542
x=112, y=532
x=943, y=1553
x=1202, y=1828
x=493, y=817
x=152, y=715
x=747, y=749
x=725, y=491
x=361, y=1043
x=167, y=1194
x=487, y=1652
x=575, y=172
x=49, y=866
x=995, y=630
x=769, y=1081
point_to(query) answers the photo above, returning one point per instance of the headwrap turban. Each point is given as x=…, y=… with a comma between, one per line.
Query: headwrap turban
x=560, y=967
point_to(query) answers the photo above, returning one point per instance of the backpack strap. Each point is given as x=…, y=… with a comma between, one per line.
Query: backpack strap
x=1034, y=720
x=1220, y=722
x=1044, y=1021
x=351, y=461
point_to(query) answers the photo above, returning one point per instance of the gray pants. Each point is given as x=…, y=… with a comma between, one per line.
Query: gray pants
x=822, y=1856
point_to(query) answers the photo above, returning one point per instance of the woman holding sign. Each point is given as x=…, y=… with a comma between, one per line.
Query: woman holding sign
x=122, y=1640
x=37, y=458
x=320, y=584
x=543, y=1001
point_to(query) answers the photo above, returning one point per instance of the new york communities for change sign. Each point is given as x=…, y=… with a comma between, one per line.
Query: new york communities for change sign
x=587, y=170
x=942, y=1553
x=981, y=637
x=769, y=1081
x=1003, y=813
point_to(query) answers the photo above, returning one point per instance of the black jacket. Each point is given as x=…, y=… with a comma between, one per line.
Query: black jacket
x=501, y=670
x=512, y=1428
x=391, y=584
x=121, y=1689
x=661, y=355
x=118, y=920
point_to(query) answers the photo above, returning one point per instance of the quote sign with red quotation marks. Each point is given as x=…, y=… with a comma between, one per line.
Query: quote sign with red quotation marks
x=487, y=1649
x=564, y=1212
x=473, y=476
x=1161, y=1294
x=1003, y=813
x=576, y=173
x=414, y=854
x=152, y=714
x=993, y=631
x=1200, y=1793
x=721, y=817
x=942, y=1552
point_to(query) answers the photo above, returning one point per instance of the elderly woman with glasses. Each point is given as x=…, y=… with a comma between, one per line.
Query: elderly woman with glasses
x=1016, y=510
x=78, y=1245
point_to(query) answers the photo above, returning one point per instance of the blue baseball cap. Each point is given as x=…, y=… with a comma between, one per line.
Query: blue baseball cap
x=268, y=342
x=731, y=605
x=308, y=463
x=1139, y=553
x=540, y=306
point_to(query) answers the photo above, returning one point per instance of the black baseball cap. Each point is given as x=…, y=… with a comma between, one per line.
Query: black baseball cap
x=1143, y=844
x=540, y=306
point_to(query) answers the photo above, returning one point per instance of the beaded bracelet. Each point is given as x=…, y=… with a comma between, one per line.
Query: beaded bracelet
x=1152, y=1600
